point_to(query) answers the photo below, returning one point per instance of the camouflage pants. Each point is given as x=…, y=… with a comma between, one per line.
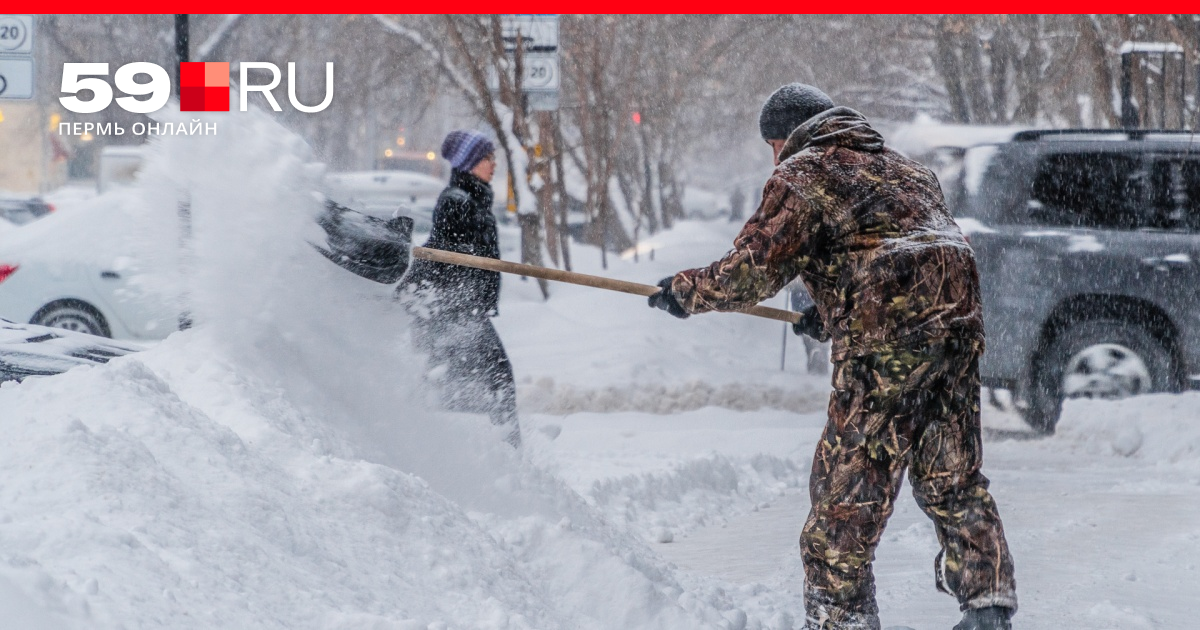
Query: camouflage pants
x=915, y=408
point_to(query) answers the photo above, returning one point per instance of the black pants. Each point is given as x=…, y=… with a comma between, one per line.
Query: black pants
x=471, y=368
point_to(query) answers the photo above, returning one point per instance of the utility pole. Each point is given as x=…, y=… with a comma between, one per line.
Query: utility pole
x=185, y=204
x=181, y=46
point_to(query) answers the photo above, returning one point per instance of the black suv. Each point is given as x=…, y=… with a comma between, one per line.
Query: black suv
x=1088, y=245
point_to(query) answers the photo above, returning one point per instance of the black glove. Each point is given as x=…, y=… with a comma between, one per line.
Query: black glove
x=665, y=300
x=811, y=325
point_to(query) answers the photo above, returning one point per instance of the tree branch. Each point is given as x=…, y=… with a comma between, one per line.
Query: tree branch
x=218, y=36
x=451, y=72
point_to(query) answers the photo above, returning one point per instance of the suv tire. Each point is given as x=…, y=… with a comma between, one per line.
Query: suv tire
x=1101, y=358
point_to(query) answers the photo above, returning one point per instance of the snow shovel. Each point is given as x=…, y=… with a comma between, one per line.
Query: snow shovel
x=369, y=247
x=378, y=250
x=570, y=277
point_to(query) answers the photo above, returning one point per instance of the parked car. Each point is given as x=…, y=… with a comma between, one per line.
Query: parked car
x=1088, y=244
x=22, y=210
x=119, y=166
x=413, y=161
x=71, y=270
x=383, y=194
x=31, y=350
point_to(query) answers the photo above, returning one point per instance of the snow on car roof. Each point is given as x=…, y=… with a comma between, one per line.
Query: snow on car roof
x=378, y=180
x=92, y=228
x=925, y=135
x=132, y=151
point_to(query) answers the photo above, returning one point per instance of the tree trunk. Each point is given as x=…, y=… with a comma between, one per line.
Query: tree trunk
x=560, y=186
x=973, y=77
x=1103, y=84
x=1002, y=54
x=948, y=66
x=545, y=151
x=1029, y=75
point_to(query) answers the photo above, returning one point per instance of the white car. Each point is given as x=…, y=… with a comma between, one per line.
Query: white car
x=68, y=270
x=383, y=193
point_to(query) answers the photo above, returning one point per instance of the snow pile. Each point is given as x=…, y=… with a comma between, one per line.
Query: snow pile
x=275, y=466
x=1163, y=428
x=662, y=477
x=150, y=511
x=547, y=396
x=696, y=493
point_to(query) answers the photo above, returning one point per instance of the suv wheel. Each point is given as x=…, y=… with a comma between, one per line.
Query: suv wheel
x=72, y=315
x=1101, y=359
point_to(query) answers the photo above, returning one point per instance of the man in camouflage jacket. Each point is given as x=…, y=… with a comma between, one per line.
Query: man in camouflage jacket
x=895, y=287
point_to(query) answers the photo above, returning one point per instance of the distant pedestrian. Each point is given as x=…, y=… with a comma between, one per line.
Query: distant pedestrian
x=737, y=205
x=816, y=351
x=452, y=304
x=895, y=287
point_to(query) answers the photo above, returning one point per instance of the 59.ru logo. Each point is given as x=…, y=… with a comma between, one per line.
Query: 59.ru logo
x=203, y=87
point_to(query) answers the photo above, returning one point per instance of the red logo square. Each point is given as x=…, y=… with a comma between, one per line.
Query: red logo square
x=216, y=99
x=191, y=99
x=204, y=86
x=191, y=74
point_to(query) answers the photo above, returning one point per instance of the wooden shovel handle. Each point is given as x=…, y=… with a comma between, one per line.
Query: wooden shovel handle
x=570, y=277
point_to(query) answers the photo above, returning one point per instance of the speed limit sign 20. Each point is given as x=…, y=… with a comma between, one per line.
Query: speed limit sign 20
x=16, y=57
x=16, y=35
x=541, y=72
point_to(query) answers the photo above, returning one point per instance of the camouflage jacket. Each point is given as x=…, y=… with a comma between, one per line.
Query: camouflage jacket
x=867, y=231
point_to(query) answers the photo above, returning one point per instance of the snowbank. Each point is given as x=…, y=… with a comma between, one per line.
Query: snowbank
x=1161, y=428
x=548, y=396
x=698, y=492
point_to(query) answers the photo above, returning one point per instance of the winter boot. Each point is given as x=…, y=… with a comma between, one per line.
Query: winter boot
x=830, y=618
x=988, y=618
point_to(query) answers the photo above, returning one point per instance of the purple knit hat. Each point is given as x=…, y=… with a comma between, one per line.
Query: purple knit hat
x=465, y=148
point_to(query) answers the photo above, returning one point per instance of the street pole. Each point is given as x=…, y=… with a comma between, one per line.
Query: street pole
x=185, y=204
x=181, y=47
x=1129, y=118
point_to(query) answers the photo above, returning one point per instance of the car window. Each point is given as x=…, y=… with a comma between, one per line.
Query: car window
x=1175, y=193
x=986, y=184
x=1096, y=190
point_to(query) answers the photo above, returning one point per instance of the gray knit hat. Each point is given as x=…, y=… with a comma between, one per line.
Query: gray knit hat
x=788, y=108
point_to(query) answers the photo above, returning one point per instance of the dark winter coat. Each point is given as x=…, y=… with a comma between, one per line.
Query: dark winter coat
x=462, y=222
x=867, y=231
